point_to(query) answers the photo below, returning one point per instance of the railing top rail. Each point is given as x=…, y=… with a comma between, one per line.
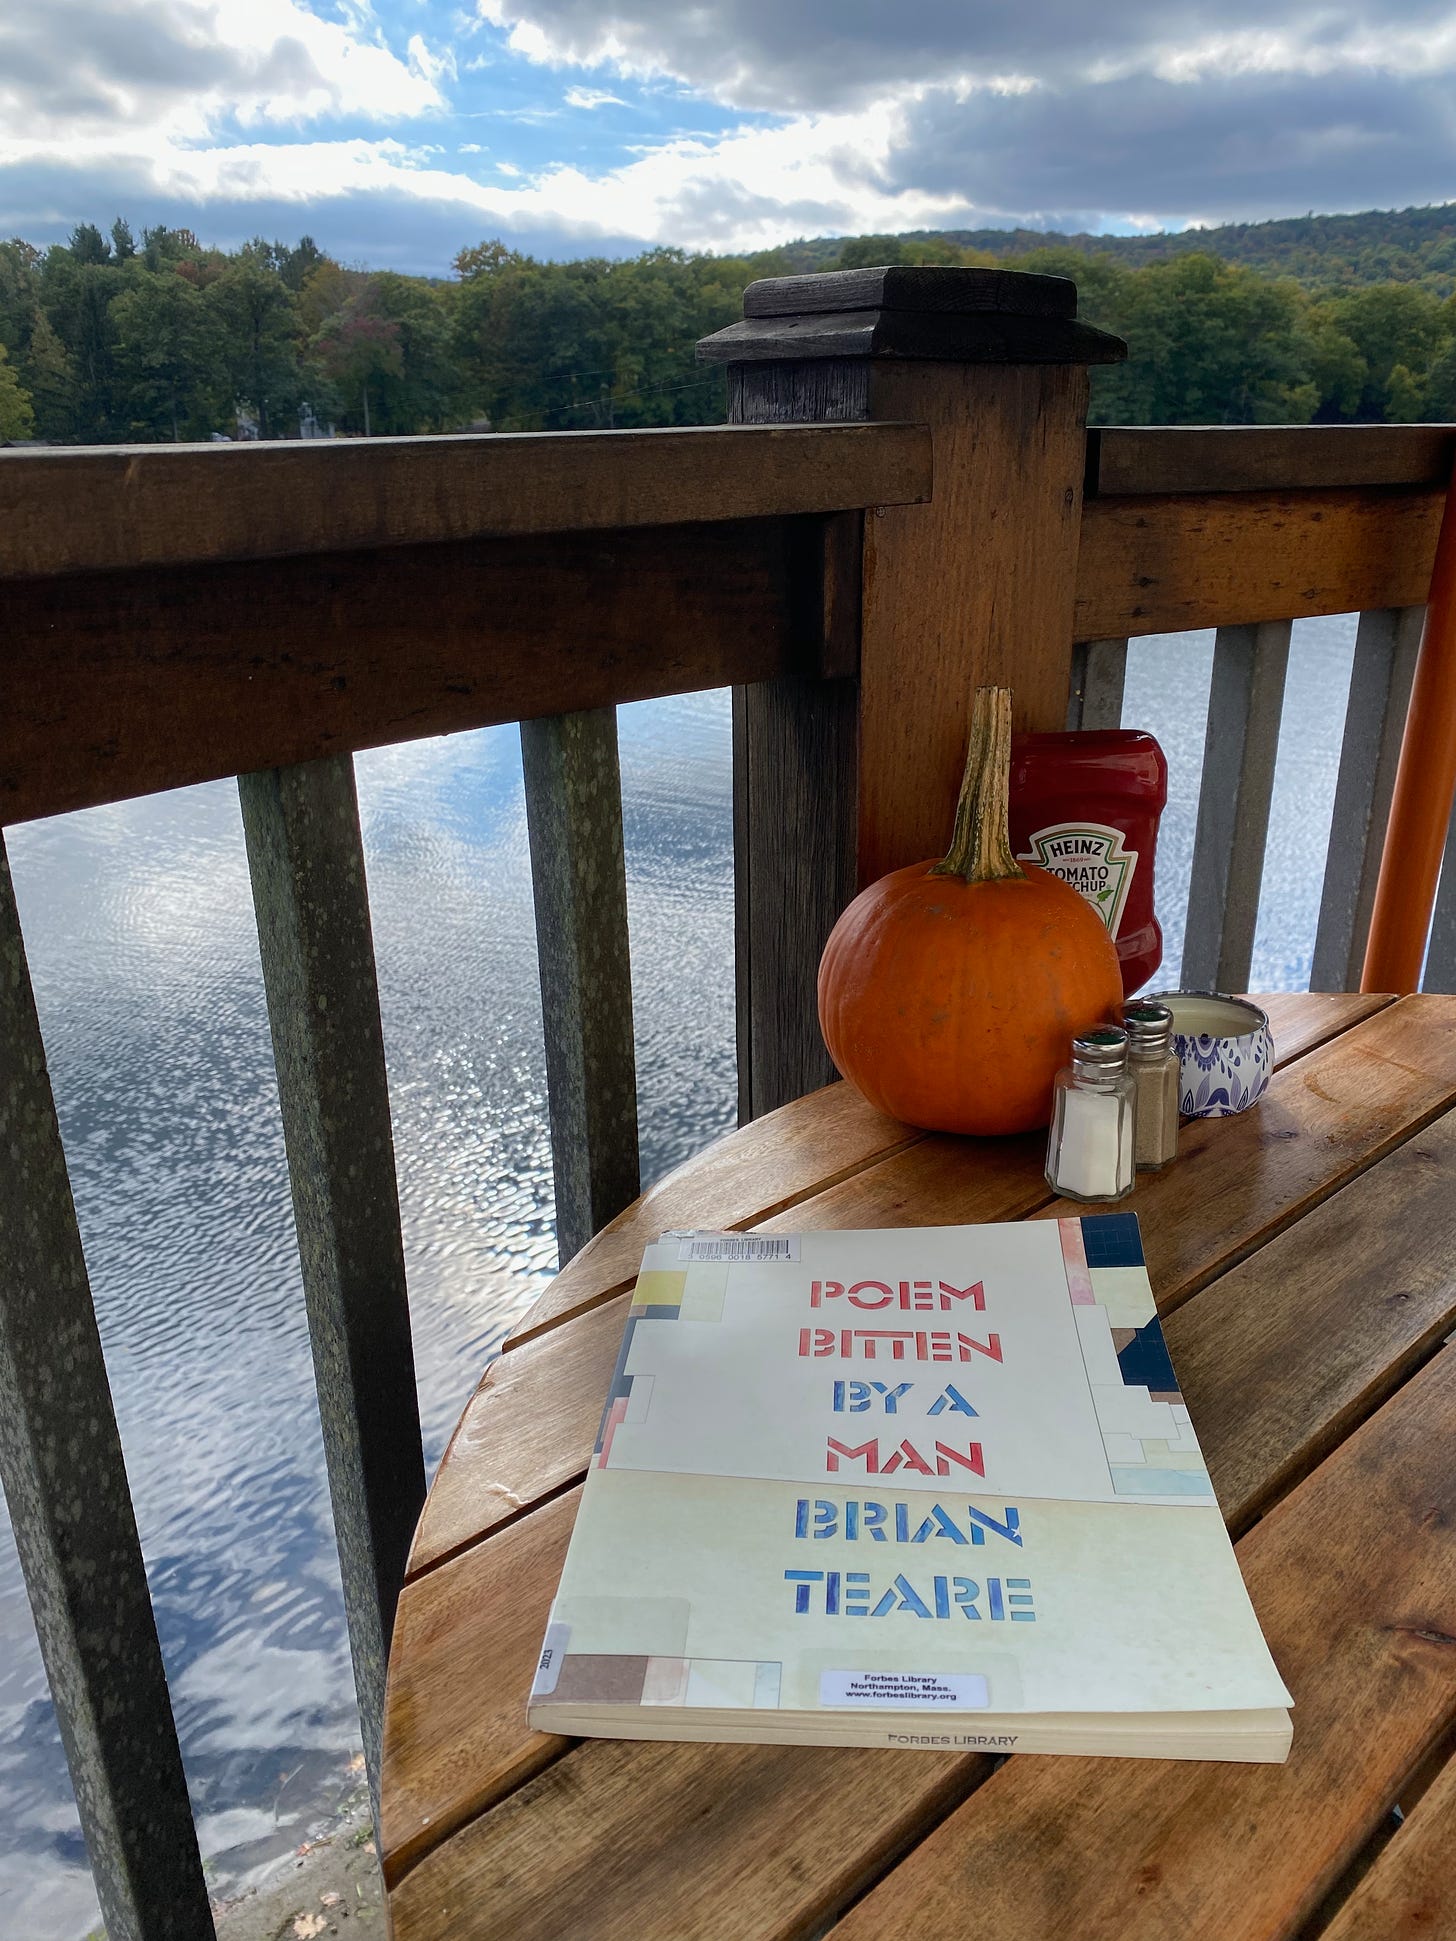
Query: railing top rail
x=1131, y=460
x=120, y=507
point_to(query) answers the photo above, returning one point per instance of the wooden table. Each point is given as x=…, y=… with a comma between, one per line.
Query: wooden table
x=1304, y=1259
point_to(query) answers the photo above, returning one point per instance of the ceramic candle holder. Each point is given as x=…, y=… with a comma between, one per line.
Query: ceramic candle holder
x=1225, y=1051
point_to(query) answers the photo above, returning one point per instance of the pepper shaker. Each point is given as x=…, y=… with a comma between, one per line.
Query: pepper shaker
x=1153, y=1066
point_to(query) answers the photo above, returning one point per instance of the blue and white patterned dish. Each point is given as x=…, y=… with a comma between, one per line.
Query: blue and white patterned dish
x=1223, y=1071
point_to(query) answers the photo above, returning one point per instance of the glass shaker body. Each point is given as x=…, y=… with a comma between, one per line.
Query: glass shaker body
x=1091, y=1139
x=1156, y=1075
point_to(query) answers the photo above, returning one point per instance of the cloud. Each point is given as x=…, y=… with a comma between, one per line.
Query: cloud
x=828, y=54
x=593, y=98
x=74, y=71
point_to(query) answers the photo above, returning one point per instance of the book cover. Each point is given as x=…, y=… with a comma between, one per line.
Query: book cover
x=919, y=1486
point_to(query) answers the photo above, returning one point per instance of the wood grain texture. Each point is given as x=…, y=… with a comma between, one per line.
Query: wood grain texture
x=573, y=786
x=1300, y=1020
x=468, y=1638
x=1334, y=1112
x=917, y=287
x=975, y=587
x=119, y=684
x=1386, y=644
x=1354, y=1580
x=527, y=1431
x=1410, y=1892
x=752, y=1842
x=1330, y=1317
x=1163, y=564
x=1241, y=743
x=780, y=1159
x=163, y=505
x=1265, y=458
x=316, y=944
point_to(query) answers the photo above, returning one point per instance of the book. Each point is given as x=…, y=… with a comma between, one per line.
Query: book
x=923, y=1487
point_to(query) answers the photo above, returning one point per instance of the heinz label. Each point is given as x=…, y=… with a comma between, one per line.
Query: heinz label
x=1091, y=857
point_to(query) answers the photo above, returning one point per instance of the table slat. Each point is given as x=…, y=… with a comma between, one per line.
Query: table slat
x=1410, y=1892
x=1354, y=1580
x=1330, y=1318
x=455, y=1736
x=750, y=1842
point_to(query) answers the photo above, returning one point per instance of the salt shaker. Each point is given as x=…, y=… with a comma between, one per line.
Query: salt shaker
x=1155, y=1070
x=1090, y=1143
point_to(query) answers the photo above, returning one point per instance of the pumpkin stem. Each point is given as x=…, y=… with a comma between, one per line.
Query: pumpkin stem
x=980, y=847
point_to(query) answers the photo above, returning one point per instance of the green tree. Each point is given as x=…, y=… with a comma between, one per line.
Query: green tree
x=17, y=420
x=167, y=356
x=358, y=349
x=257, y=335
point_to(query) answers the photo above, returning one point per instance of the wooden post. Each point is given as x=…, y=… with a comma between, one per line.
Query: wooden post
x=306, y=860
x=975, y=586
x=65, y=1481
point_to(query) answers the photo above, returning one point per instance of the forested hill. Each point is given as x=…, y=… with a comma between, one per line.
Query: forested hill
x=1322, y=252
x=112, y=336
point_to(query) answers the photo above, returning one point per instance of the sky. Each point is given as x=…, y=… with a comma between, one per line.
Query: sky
x=396, y=132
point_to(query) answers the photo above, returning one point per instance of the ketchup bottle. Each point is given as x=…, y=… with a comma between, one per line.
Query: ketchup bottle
x=1085, y=805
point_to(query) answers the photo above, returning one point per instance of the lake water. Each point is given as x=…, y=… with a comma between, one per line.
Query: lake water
x=145, y=962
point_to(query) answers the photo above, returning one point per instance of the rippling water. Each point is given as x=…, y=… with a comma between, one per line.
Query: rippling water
x=144, y=957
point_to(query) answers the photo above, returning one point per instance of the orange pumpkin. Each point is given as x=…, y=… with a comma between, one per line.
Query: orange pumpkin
x=950, y=992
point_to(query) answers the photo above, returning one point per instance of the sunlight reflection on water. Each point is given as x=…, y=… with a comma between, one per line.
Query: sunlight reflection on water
x=144, y=957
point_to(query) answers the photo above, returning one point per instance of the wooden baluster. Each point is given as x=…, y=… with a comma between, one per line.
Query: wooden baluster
x=1099, y=674
x=65, y=1482
x=578, y=875
x=1386, y=645
x=1242, y=740
x=306, y=858
x=976, y=586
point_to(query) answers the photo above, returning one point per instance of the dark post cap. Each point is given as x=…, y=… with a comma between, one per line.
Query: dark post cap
x=955, y=316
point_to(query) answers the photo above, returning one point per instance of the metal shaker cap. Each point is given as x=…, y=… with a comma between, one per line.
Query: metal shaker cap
x=1149, y=1029
x=1103, y=1050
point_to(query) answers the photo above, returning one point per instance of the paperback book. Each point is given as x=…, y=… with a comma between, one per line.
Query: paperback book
x=925, y=1487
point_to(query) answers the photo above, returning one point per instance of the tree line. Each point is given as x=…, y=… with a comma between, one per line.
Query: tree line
x=107, y=338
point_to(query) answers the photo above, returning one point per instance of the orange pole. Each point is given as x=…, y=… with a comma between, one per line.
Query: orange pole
x=1425, y=787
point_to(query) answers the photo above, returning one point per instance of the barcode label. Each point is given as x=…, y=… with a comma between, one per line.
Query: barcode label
x=740, y=1246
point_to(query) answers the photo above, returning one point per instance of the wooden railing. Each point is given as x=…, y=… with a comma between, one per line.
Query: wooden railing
x=173, y=616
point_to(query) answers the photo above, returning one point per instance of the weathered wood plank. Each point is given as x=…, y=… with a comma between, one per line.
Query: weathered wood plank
x=752, y=1841
x=1165, y=564
x=1321, y=1345
x=1265, y=458
x=1354, y=1581
x=70, y=1507
x=1300, y=1020
x=455, y=1735
x=526, y=1433
x=795, y=797
x=306, y=860
x=1245, y=703
x=164, y=505
x=778, y=1161
x=1325, y=1119
x=1099, y=674
x=119, y=684
x=1410, y=1892
x=1386, y=645
x=573, y=783
x=977, y=586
